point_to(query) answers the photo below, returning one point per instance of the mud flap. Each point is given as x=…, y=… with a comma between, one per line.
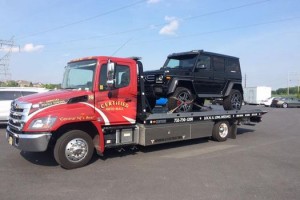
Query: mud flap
x=233, y=131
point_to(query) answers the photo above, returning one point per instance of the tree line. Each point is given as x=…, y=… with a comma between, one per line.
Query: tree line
x=16, y=84
x=294, y=91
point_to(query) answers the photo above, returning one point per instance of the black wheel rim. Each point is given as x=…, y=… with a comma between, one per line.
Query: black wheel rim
x=236, y=101
x=184, y=101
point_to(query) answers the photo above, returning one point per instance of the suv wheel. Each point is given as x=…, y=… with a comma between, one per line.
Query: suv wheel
x=233, y=101
x=181, y=100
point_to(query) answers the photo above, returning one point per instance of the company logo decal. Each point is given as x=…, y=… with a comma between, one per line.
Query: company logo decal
x=51, y=102
x=78, y=118
x=114, y=105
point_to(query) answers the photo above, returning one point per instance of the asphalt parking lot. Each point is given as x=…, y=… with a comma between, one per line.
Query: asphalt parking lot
x=262, y=163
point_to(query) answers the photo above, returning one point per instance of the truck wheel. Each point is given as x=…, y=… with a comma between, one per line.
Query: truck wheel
x=181, y=100
x=73, y=149
x=221, y=131
x=233, y=101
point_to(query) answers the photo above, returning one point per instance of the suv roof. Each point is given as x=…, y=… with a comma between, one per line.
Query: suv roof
x=195, y=52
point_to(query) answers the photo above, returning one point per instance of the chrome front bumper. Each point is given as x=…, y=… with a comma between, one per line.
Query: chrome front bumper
x=34, y=142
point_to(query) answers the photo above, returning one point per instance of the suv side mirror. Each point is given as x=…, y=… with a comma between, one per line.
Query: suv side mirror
x=200, y=66
x=110, y=74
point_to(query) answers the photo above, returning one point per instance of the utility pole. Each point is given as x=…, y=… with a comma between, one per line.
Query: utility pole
x=298, y=92
x=288, y=84
x=7, y=47
x=245, y=80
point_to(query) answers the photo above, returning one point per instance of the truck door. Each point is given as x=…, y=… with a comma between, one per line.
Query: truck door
x=118, y=103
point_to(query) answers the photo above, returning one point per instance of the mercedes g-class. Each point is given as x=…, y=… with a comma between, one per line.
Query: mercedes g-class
x=188, y=78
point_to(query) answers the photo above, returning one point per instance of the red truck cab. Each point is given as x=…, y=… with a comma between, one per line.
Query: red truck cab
x=86, y=102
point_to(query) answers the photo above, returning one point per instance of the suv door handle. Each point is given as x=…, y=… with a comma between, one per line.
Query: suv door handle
x=127, y=100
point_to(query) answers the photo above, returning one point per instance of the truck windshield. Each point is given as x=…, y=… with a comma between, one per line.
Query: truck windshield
x=184, y=61
x=79, y=75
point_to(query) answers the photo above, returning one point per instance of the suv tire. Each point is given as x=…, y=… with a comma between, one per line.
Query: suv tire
x=233, y=101
x=181, y=98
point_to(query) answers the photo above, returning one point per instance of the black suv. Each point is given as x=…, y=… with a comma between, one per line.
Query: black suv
x=188, y=78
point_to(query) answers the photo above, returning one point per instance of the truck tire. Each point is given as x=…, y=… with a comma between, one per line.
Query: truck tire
x=181, y=99
x=73, y=149
x=221, y=131
x=233, y=101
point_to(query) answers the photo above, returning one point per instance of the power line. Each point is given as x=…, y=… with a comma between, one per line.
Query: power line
x=7, y=46
x=161, y=24
x=202, y=33
x=227, y=9
x=224, y=30
x=83, y=20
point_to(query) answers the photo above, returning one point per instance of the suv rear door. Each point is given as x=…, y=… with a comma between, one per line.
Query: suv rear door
x=203, y=76
x=219, y=74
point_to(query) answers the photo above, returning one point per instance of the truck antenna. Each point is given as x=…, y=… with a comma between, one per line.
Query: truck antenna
x=121, y=47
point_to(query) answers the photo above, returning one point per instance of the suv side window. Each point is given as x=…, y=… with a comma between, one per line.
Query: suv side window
x=219, y=64
x=122, y=76
x=203, y=62
x=232, y=65
x=9, y=95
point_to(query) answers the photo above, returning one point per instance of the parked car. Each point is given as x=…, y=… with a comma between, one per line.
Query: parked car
x=286, y=102
x=8, y=94
x=268, y=101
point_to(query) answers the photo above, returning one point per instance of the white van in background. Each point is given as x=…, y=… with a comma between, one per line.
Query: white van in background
x=8, y=94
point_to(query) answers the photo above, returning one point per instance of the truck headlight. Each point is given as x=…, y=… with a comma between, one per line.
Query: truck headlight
x=159, y=79
x=42, y=123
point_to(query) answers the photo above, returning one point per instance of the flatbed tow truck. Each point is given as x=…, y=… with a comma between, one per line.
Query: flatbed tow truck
x=102, y=104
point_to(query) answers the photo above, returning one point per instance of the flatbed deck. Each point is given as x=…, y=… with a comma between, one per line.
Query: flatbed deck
x=166, y=118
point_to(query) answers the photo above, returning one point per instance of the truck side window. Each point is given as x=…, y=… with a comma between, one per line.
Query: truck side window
x=122, y=77
x=203, y=62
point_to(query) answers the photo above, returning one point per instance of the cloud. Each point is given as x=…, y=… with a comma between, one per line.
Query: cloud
x=171, y=27
x=153, y=1
x=26, y=48
x=31, y=47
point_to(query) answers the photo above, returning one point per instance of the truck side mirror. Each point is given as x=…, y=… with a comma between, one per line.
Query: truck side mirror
x=110, y=74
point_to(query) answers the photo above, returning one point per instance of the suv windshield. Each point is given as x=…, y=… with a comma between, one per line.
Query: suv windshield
x=79, y=75
x=185, y=61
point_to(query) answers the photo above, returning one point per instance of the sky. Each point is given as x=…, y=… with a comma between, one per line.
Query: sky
x=264, y=34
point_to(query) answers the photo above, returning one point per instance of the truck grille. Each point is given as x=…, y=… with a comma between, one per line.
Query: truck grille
x=18, y=115
x=150, y=78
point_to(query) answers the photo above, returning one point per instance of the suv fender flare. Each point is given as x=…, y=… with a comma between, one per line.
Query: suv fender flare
x=234, y=85
x=175, y=82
